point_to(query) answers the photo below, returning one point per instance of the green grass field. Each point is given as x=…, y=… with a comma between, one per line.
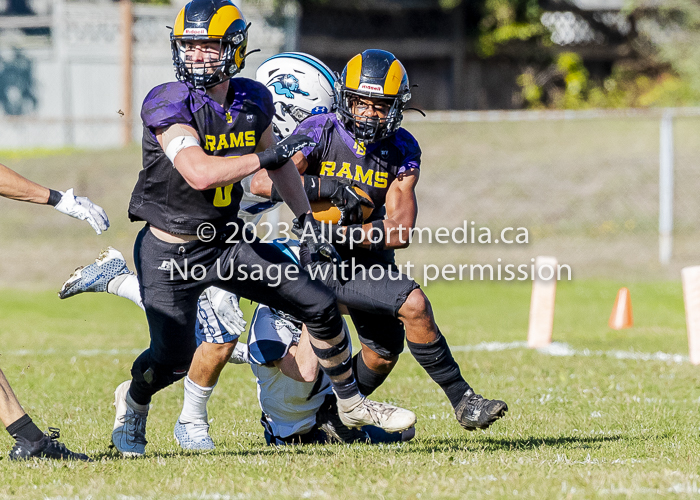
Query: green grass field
x=579, y=426
x=605, y=418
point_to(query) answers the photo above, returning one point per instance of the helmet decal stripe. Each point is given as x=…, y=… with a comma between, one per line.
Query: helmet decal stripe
x=352, y=75
x=308, y=60
x=179, y=27
x=222, y=19
x=394, y=77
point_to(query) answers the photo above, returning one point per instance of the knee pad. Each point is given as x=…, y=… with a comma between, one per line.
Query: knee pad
x=156, y=375
x=325, y=322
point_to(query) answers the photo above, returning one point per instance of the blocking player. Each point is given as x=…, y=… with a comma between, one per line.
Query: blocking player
x=300, y=86
x=30, y=440
x=202, y=136
x=363, y=143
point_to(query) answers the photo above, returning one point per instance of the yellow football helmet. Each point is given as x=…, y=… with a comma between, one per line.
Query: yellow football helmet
x=373, y=74
x=209, y=20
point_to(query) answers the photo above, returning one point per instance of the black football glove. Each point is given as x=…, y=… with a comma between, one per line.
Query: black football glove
x=276, y=156
x=314, y=246
x=345, y=198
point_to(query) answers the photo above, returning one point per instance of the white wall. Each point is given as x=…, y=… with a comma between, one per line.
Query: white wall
x=77, y=74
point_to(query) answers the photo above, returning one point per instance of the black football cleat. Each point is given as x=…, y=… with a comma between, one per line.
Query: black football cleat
x=329, y=422
x=47, y=447
x=476, y=412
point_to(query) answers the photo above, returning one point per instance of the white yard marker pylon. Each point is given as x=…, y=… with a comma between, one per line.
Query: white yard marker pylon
x=691, y=298
x=544, y=290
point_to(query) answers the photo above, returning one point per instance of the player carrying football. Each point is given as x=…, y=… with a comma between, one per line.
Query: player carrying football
x=363, y=144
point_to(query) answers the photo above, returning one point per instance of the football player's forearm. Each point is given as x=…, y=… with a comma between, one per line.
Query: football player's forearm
x=306, y=358
x=289, y=186
x=397, y=233
x=204, y=172
x=291, y=367
x=16, y=187
x=261, y=184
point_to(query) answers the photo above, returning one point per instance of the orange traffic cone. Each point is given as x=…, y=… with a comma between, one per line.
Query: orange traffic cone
x=621, y=316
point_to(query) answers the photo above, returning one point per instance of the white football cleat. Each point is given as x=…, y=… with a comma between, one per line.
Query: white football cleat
x=363, y=411
x=193, y=436
x=129, y=434
x=95, y=277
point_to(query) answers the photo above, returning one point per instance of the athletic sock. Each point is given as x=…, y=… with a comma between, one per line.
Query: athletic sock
x=336, y=362
x=437, y=360
x=126, y=286
x=367, y=379
x=139, y=394
x=346, y=389
x=194, y=409
x=140, y=408
x=25, y=428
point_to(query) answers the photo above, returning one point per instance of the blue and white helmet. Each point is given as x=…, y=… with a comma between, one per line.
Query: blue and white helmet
x=301, y=86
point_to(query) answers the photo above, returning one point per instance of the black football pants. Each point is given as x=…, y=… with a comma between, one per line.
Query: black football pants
x=256, y=271
x=373, y=289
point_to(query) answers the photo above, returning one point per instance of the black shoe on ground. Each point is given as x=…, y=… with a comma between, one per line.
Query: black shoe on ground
x=47, y=447
x=329, y=422
x=475, y=412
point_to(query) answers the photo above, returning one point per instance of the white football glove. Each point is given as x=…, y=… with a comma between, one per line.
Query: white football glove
x=240, y=354
x=82, y=208
x=225, y=306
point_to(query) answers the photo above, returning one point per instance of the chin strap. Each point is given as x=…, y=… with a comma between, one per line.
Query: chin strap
x=416, y=109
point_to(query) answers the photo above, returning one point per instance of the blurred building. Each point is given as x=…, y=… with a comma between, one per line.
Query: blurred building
x=438, y=45
x=62, y=66
x=62, y=71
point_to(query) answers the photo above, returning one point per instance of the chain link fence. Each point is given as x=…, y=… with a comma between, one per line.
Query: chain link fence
x=584, y=185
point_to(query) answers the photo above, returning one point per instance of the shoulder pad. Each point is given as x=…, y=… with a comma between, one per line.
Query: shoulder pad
x=406, y=143
x=246, y=89
x=166, y=105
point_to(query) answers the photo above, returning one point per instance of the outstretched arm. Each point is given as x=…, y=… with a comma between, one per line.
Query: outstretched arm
x=202, y=171
x=16, y=187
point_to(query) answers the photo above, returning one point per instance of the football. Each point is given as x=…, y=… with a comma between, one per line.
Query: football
x=325, y=211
